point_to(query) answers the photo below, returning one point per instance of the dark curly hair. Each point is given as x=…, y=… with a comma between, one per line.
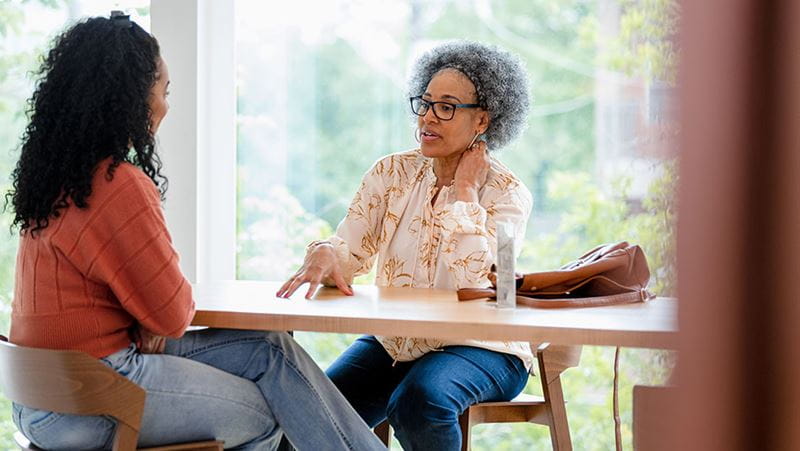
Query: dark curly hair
x=90, y=103
x=500, y=80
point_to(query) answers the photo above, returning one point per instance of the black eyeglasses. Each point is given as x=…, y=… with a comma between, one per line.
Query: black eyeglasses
x=443, y=110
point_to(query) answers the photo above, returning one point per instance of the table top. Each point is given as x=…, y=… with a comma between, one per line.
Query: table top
x=421, y=312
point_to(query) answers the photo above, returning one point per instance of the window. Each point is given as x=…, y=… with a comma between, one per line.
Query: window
x=321, y=95
x=26, y=29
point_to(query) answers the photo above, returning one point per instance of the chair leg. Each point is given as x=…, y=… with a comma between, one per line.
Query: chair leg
x=125, y=438
x=464, y=422
x=23, y=443
x=559, y=426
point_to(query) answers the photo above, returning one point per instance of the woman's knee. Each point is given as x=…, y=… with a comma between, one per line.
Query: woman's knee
x=283, y=345
x=281, y=339
x=415, y=404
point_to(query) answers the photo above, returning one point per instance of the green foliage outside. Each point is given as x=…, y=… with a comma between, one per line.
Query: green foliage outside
x=645, y=46
x=267, y=217
x=591, y=216
x=359, y=115
x=13, y=94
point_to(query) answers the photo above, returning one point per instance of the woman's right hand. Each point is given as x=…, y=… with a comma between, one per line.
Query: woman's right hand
x=148, y=342
x=320, y=263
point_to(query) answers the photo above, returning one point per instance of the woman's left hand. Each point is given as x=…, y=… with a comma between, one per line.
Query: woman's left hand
x=471, y=172
x=148, y=342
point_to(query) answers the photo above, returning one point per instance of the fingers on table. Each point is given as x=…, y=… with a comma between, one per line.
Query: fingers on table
x=342, y=284
x=291, y=285
x=312, y=287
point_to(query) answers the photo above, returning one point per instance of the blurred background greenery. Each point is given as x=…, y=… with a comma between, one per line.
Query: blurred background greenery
x=321, y=96
x=326, y=97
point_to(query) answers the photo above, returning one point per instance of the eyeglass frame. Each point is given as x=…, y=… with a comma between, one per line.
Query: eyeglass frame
x=431, y=107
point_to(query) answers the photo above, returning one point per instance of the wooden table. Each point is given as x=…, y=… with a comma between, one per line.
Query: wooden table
x=418, y=312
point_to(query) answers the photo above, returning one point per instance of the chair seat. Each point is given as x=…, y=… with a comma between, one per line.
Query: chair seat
x=522, y=409
x=23, y=442
x=209, y=445
x=523, y=399
x=548, y=410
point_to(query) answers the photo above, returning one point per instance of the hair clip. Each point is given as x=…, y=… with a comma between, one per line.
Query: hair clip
x=121, y=19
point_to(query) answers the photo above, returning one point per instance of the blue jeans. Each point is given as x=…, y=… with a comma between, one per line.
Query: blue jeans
x=242, y=387
x=423, y=398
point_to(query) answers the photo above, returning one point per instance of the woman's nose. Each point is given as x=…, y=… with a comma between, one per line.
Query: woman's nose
x=429, y=116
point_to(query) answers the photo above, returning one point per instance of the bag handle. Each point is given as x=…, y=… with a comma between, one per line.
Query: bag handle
x=593, y=301
x=566, y=291
x=470, y=294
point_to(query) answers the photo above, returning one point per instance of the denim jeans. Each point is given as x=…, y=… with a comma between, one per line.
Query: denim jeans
x=423, y=398
x=243, y=387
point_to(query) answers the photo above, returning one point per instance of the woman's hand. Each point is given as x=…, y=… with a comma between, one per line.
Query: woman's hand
x=320, y=262
x=148, y=342
x=471, y=172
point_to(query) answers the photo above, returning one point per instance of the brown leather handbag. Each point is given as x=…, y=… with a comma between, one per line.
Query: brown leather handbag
x=609, y=274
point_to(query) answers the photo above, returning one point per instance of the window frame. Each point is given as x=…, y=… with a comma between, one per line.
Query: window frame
x=197, y=141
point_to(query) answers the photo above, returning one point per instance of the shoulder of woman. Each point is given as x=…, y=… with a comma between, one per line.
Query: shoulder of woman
x=399, y=165
x=407, y=157
x=502, y=180
x=498, y=172
x=125, y=174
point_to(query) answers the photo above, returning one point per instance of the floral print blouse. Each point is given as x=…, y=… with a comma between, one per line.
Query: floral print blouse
x=450, y=244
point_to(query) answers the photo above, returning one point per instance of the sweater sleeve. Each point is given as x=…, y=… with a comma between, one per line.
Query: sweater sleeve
x=126, y=246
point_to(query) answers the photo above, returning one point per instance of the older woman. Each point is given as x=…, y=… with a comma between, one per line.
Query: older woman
x=429, y=216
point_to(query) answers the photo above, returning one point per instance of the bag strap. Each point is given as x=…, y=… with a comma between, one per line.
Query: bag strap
x=565, y=291
x=593, y=301
x=615, y=407
x=470, y=294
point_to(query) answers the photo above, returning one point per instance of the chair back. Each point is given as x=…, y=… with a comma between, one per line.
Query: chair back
x=555, y=359
x=70, y=382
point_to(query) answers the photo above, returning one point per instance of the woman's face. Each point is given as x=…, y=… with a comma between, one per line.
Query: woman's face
x=158, y=96
x=440, y=138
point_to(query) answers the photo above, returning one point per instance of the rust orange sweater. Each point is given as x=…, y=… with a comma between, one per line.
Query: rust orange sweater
x=94, y=273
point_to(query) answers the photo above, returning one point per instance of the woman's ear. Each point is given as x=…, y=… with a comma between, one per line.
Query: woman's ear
x=483, y=122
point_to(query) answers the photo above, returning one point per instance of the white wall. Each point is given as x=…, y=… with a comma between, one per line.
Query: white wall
x=197, y=138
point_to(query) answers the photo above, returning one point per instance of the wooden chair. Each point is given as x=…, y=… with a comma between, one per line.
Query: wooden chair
x=75, y=383
x=549, y=411
x=649, y=406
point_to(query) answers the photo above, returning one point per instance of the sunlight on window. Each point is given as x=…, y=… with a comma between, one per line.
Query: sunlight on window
x=26, y=29
x=322, y=95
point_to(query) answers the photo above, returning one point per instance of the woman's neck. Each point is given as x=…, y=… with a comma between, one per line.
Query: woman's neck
x=445, y=169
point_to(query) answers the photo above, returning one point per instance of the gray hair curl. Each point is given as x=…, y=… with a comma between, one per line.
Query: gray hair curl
x=500, y=80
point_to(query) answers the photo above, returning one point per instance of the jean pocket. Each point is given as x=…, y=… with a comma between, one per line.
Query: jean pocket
x=33, y=419
x=27, y=419
x=16, y=410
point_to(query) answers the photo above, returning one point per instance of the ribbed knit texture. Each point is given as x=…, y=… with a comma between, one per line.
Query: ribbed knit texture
x=93, y=273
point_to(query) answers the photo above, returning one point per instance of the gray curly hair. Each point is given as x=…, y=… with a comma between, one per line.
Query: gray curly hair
x=500, y=80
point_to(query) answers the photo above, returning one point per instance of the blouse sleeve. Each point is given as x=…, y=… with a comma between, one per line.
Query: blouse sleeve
x=469, y=235
x=357, y=237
